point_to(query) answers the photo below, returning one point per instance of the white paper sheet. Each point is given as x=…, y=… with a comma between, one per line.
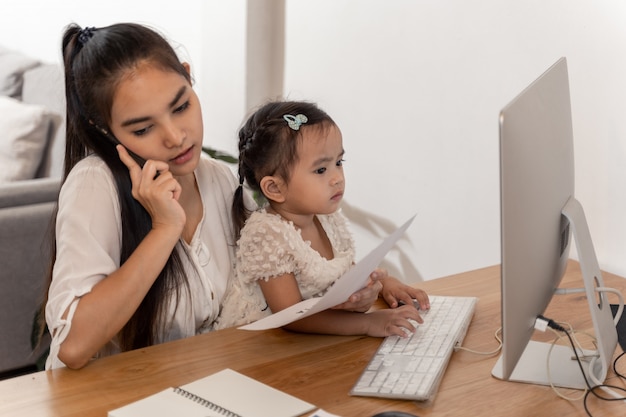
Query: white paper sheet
x=344, y=287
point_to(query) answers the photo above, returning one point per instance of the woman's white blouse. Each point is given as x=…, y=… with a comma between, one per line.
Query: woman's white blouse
x=88, y=238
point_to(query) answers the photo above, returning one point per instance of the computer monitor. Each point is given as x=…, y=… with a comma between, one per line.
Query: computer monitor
x=539, y=215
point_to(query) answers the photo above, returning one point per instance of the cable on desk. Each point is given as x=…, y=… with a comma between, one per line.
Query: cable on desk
x=543, y=326
x=619, y=374
x=590, y=389
x=493, y=352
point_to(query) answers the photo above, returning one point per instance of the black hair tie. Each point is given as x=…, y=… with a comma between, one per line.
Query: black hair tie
x=85, y=34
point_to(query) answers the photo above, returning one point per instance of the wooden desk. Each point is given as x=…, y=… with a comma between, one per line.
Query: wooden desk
x=319, y=369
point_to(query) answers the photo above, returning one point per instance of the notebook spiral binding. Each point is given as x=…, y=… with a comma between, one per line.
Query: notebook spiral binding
x=206, y=403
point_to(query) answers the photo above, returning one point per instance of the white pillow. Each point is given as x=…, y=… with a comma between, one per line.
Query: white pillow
x=13, y=64
x=24, y=133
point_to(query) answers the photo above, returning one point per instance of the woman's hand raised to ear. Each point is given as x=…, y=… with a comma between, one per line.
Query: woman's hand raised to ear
x=157, y=191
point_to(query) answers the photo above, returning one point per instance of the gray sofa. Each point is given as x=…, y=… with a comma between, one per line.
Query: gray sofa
x=27, y=202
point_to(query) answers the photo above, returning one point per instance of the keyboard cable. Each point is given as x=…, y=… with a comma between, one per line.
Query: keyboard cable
x=497, y=336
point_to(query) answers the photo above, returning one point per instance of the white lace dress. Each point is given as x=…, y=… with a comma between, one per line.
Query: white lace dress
x=271, y=246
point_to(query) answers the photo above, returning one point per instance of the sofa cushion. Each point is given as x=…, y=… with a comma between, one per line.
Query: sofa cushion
x=44, y=85
x=25, y=254
x=13, y=64
x=28, y=192
x=25, y=131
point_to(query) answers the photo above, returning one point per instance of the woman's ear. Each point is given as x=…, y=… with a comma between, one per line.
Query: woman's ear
x=273, y=188
x=187, y=67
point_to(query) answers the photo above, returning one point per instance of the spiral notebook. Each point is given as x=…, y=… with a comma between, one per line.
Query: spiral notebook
x=224, y=394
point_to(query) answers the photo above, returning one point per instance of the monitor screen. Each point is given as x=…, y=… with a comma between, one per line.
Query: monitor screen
x=536, y=190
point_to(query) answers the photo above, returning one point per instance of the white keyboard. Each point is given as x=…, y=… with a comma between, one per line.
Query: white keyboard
x=411, y=368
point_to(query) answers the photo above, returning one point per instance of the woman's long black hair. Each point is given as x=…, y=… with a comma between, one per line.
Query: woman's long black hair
x=95, y=60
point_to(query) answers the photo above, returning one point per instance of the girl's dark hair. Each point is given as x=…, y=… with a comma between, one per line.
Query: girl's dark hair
x=96, y=60
x=268, y=146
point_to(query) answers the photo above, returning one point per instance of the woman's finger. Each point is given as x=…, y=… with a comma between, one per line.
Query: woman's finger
x=133, y=167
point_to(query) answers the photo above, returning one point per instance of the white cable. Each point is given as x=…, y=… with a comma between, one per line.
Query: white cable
x=593, y=358
x=493, y=352
x=601, y=384
x=566, y=291
x=620, y=307
x=559, y=336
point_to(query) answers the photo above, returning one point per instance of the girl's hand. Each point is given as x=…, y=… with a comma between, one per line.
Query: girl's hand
x=395, y=291
x=393, y=321
x=157, y=194
x=362, y=300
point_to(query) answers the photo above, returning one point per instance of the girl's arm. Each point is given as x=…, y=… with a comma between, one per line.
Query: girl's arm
x=282, y=291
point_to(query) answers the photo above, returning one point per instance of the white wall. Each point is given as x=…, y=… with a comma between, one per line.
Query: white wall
x=416, y=86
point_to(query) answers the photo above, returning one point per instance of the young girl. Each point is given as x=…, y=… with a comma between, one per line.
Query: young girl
x=299, y=244
x=144, y=245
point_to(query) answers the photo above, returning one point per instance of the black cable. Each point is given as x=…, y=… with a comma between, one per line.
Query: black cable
x=615, y=366
x=591, y=390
